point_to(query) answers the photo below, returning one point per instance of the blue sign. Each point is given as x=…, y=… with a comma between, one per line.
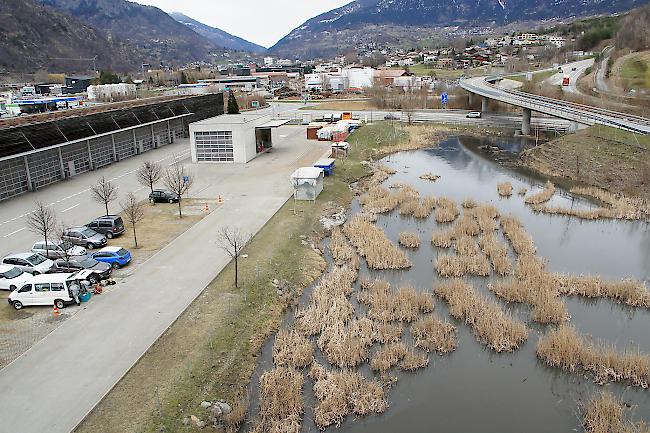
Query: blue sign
x=186, y=179
x=444, y=97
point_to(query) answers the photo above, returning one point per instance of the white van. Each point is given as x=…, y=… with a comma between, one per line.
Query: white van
x=47, y=289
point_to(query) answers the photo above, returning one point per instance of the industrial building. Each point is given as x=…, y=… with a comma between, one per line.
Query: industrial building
x=232, y=138
x=38, y=150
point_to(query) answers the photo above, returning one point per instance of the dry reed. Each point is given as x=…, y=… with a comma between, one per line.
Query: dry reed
x=430, y=176
x=388, y=356
x=492, y=326
x=347, y=346
x=341, y=393
x=504, y=189
x=373, y=244
x=542, y=196
x=378, y=200
x=414, y=360
x=291, y=349
x=409, y=239
x=522, y=191
x=485, y=216
x=563, y=347
x=628, y=291
x=431, y=333
x=446, y=210
x=386, y=332
x=514, y=231
x=586, y=214
x=467, y=260
x=384, y=305
x=497, y=252
x=281, y=403
x=469, y=203
x=342, y=252
x=606, y=414
x=425, y=207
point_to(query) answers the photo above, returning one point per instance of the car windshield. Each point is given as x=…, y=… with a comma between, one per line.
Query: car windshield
x=88, y=232
x=13, y=273
x=36, y=259
x=88, y=263
x=122, y=252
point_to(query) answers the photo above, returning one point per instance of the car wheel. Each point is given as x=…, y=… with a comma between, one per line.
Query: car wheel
x=90, y=246
x=17, y=305
x=109, y=235
x=93, y=278
x=115, y=265
x=35, y=273
x=152, y=201
x=58, y=303
x=171, y=200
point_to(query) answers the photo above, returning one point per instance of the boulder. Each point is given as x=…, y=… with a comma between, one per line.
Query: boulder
x=205, y=404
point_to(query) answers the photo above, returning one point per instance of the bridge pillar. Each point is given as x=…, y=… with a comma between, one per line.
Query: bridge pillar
x=484, y=104
x=525, y=124
x=471, y=99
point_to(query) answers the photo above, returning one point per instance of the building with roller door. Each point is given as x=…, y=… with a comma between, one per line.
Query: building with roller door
x=38, y=150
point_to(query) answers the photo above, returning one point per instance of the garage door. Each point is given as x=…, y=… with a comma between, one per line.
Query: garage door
x=214, y=146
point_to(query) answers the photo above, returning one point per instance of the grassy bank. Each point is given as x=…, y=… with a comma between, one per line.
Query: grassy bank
x=600, y=156
x=210, y=352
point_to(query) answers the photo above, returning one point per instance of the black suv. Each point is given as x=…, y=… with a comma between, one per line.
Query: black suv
x=163, y=196
x=108, y=225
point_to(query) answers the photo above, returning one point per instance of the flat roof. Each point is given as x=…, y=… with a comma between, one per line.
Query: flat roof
x=232, y=119
x=274, y=123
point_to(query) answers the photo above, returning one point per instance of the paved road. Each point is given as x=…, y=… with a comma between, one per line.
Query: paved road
x=58, y=381
x=568, y=69
x=600, y=82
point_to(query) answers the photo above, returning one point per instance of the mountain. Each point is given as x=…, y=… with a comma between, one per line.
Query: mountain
x=217, y=36
x=34, y=36
x=381, y=20
x=154, y=33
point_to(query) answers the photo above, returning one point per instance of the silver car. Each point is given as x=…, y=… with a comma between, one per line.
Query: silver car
x=58, y=249
x=29, y=262
x=85, y=237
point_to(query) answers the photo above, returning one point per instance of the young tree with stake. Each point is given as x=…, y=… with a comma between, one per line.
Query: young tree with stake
x=233, y=241
x=133, y=211
x=149, y=173
x=104, y=192
x=233, y=106
x=42, y=221
x=178, y=180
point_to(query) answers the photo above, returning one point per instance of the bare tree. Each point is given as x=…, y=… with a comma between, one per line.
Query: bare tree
x=66, y=245
x=42, y=221
x=233, y=241
x=133, y=211
x=104, y=192
x=178, y=180
x=149, y=173
x=409, y=104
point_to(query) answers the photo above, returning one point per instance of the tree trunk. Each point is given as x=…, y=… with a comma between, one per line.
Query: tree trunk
x=135, y=238
x=180, y=212
x=236, y=273
x=106, y=204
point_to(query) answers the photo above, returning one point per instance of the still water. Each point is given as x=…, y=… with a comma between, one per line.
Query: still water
x=474, y=389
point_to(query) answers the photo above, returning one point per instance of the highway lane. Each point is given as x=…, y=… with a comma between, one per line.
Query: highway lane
x=568, y=69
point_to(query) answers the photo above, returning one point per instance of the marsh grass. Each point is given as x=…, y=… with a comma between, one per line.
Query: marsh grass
x=386, y=305
x=514, y=231
x=606, y=414
x=565, y=348
x=431, y=333
x=467, y=260
x=497, y=252
x=469, y=203
x=378, y=200
x=291, y=349
x=522, y=191
x=504, y=189
x=627, y=291
x=467, y=225
x=342, y=252
x=430, y=176
x=492, y=326
x=347, y=345
x=414, y=360
x=425, y=207
x=541, y=196
x=281, y=402
x=373, y=244
x=388, y=356
x=446, y=210
x=409, y=239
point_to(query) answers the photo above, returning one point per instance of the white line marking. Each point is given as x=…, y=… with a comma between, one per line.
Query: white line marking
x=70, y=208
x=13, y=233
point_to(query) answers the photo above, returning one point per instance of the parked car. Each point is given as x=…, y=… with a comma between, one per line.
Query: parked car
x=47, y=289
x=108, y=225
x=85, y=237
x=12, y=277
x=97, y=270
x=57, y=249
x=114, y=256
x=473, y=115
x=163, y=196
x=29, y=262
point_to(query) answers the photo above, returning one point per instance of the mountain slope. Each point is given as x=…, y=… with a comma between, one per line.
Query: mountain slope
x=377, y=20
x=33, y=36
x=150, y=29
x=217, y=36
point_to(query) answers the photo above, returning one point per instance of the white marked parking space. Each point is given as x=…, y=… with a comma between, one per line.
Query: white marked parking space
x=14, y=232
x=70, y=208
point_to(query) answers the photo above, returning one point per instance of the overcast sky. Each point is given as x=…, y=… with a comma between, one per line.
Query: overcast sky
x=261, y=21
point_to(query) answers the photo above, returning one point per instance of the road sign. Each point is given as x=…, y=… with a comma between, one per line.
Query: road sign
x=444, y=97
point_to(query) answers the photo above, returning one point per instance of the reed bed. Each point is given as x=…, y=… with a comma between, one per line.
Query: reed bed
x=342, y=252
x=386, y=332
x=425, y=207
x=431, y=333
x=504, y=189
x=606, y=414
x=373, y=244
x=341, y=393
x=414, y=360
x=408, y=303
x=446, y=210
x=466, y=246
x=495, y=328
x=627, y=291
x=388, y=356
x=623, y=207
x=419, y=137
x=541, y=196
x=409, y=239
x=408, y=207
x=469, y=203
x=467, y=225
x=565, y=348
x=397, y=185
x=347, y=346
x=384, y=305
x=291, y=349
x=454, y=265
x=497, y=252
x=430, y=176
x=514, y=231
x=378, y=200
x=281, y=402
x=534, y=285
x=486, y=218
x=522, y=191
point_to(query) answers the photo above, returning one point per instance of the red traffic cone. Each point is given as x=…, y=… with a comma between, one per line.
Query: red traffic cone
x=206, y=208
x=55, y=311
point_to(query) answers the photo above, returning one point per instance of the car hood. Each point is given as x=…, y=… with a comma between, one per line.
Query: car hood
x=97, y=238
x=77, y=251
x=46, y=265
x=20, y=280
x=101, y=267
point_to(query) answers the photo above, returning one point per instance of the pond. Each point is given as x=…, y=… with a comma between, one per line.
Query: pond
x=474, y=389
